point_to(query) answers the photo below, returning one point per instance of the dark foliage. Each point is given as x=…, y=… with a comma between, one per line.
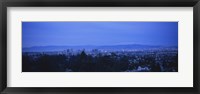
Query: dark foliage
x=44, y=63
x=83, y=62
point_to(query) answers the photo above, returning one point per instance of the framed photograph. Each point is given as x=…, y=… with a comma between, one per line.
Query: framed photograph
x=93, y=46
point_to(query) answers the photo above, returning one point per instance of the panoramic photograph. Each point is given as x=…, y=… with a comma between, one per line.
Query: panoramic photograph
x=100, y=46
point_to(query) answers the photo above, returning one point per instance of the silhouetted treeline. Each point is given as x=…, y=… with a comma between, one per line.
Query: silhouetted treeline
x=113, y=62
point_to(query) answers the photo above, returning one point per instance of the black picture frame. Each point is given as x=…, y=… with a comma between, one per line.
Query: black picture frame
x=98, y=3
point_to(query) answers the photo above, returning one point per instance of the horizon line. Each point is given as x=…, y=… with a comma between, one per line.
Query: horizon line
x=102, y=45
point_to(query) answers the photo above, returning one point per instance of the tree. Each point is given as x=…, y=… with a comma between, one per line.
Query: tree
x=83, y=55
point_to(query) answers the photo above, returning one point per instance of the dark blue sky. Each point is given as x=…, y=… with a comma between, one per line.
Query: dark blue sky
x=99, y=33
